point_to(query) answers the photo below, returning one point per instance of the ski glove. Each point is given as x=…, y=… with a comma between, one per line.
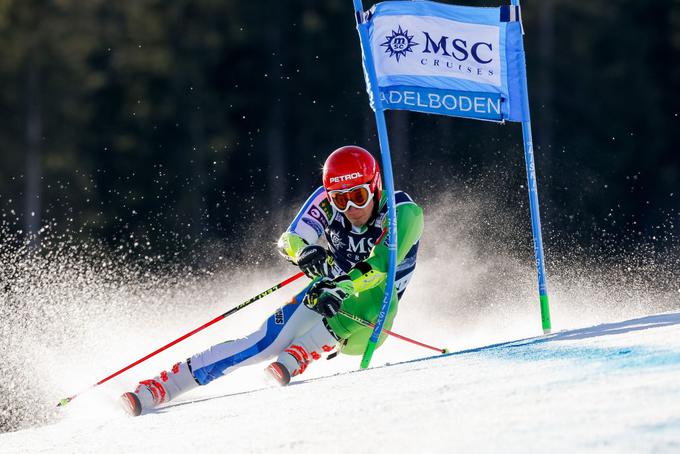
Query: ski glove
x=313, y=261
x=325, y=296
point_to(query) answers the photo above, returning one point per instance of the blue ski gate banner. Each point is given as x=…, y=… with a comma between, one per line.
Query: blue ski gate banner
x=448, y=60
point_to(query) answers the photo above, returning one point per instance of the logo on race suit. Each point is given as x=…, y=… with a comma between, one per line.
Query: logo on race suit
x=315, y=225
x=336, y=240
x=360, y=247
x=437, y=48
x=326, y=207
x=398, y=43
x=341, y=178
x=279, y=319
x=315, y=213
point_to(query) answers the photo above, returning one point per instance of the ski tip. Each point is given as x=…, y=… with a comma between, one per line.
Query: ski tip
x=131, y=405
x=279, y=373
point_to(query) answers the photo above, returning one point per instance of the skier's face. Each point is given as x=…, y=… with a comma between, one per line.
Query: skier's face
x=360, y=216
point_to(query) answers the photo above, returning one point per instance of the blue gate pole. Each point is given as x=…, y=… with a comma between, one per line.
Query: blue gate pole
x=391, y=238
x=533, y=200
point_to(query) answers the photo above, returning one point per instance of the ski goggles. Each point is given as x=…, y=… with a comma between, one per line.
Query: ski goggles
x=358, y=197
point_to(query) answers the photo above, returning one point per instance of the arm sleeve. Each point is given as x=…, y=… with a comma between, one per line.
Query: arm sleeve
x=373, y=271
x=308, y=225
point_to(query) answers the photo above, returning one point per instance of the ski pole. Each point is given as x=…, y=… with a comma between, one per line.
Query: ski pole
x=65, y=401
x=361, y=321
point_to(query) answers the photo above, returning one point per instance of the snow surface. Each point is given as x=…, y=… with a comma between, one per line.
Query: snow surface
x=609, y=388
x=76, y=314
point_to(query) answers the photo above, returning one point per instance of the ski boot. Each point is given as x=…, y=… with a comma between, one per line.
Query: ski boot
x=159, y=390
x=279, y=373
x=307, y=348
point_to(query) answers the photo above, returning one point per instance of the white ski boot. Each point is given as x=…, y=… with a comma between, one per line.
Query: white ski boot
x=307, y=348
x=159, y=390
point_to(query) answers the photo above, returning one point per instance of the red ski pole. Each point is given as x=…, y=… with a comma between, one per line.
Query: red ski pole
x=65, y=401
x=392, y=333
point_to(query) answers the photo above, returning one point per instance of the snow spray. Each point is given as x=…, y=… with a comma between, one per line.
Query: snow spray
x=72, y=309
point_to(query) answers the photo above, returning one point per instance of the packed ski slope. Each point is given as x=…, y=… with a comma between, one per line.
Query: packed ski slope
x=608, y=388
x=74, y=316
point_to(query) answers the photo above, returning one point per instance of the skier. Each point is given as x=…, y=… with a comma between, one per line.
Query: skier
x=350, y=210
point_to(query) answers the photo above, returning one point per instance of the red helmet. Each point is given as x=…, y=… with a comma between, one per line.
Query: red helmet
x=351, y=166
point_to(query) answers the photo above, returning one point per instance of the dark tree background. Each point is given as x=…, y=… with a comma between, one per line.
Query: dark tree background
x=166, y=123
